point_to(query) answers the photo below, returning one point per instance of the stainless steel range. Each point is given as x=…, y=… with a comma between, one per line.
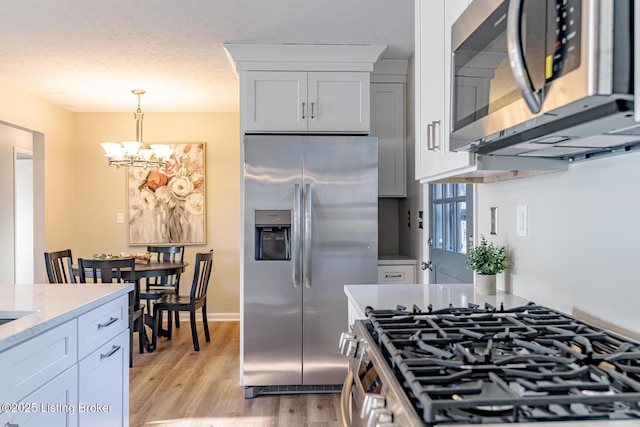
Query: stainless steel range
x=489, y=366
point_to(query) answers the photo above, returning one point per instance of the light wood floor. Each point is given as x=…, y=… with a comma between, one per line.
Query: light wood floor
x=176, y=386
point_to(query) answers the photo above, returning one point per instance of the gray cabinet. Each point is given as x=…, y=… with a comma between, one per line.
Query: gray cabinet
x=388, y=124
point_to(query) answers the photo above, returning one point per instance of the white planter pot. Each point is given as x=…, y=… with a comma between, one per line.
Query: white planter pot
x=485, y=284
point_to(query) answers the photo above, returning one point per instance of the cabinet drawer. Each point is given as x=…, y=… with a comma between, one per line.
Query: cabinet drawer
x=396, y=274
x=98, y=326
x=27, y=366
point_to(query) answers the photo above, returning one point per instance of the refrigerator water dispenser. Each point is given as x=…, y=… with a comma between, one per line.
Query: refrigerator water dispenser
x=273, y=235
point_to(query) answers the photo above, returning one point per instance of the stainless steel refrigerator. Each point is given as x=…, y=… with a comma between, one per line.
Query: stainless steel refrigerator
x=310, y=227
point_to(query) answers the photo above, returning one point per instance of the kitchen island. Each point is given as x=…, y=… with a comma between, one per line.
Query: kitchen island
x=64, y=354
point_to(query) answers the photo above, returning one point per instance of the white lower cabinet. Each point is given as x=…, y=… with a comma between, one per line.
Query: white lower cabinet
x=103, y=375
x=74, y=374
x=53, y=404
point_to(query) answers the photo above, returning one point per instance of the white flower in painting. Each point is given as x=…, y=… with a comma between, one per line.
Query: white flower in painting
x=164, y=195
x=147, y=199
x=181, y=186
x=139, y=174
x=195, y=204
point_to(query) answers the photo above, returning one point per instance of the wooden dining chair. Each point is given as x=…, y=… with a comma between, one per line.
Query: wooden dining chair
x=156, y=287
x=118, y=271
x=197, y=299
x=58, y=265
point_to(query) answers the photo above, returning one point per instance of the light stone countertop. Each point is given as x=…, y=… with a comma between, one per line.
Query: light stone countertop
x=49, y=305
x=438, y=295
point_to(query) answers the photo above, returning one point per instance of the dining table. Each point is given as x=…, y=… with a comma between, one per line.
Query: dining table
x=146, y=270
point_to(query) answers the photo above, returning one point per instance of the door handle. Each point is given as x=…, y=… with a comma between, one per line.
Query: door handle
x=516, y=58
x=297, y=243
x=427, y=265
x=308, y=221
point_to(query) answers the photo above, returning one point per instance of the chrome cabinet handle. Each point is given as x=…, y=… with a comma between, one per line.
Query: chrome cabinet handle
x=429, y=132
x=308, y=221
x=433, y=134
x=110, y=353
x=297, y=243
x=516, y=58
x=427, y=265
x=110, y=322
x=393, y=276
x=312, y=113
x=304, y=106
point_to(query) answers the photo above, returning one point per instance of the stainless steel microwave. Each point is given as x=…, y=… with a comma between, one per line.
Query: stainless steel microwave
x=543, y=78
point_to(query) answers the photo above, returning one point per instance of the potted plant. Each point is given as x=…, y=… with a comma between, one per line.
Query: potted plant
x=487, y=260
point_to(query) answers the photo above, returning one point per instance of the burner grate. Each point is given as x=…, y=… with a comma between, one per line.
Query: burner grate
x=529, y=363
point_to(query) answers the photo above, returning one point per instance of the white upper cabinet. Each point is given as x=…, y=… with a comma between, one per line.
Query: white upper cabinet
x=304, y=88
x=388, y=124
x=433, y=76
x=289, y=101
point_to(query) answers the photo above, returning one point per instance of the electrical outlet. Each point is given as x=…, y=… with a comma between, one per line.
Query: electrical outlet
x=119, y=218
x=420, y=219
x=522, y=221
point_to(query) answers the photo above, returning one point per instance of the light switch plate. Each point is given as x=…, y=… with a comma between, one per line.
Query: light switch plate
x=119, y=218
x=522, y=221
x=494, y=220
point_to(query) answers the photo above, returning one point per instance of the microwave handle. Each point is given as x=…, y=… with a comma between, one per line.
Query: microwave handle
x=516, y=58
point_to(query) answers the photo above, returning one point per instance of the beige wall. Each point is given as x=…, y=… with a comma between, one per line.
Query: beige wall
x=82, y=194
x=101, y=190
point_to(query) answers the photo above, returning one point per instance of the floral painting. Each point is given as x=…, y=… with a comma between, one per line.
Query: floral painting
x=166, y=204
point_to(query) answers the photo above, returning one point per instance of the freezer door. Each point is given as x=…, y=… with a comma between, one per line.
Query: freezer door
x=341, y=187
x=272, y=304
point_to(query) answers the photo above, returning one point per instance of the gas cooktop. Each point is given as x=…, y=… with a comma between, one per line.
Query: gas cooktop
x=466, y=365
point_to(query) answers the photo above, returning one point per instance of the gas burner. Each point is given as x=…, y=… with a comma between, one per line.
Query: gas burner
x=527, y=363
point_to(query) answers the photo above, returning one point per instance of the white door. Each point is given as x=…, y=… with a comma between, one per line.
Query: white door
x=450, y=230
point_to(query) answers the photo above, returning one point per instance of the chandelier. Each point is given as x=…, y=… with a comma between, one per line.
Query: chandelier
x=134, y=153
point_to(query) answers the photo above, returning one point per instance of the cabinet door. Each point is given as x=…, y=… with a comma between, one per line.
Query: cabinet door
x=387, y=123
x=104, y=382
x=53, y=404
x=429, y=72
x=450, y=160
x=275, y=101
x=338, y=101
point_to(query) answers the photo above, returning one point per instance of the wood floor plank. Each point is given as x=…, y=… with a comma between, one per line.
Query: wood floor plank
x=179, y=387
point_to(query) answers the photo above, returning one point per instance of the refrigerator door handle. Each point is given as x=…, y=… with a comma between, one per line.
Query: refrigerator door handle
x=306, y=263
x=297, y=241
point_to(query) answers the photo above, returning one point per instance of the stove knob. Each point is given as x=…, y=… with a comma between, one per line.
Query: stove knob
x=380, y=417
x=371, y=401
x=348, y=344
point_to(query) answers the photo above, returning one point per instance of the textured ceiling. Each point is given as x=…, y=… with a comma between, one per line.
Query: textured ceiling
x=87, y=55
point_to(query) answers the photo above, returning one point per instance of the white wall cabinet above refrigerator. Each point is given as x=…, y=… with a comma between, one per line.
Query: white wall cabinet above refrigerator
x=288, y=101
x=318, y=89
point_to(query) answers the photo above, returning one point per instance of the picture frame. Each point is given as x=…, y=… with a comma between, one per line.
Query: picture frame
x=167, y=205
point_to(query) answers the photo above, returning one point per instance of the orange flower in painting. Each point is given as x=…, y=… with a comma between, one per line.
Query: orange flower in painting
x=156, y=180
